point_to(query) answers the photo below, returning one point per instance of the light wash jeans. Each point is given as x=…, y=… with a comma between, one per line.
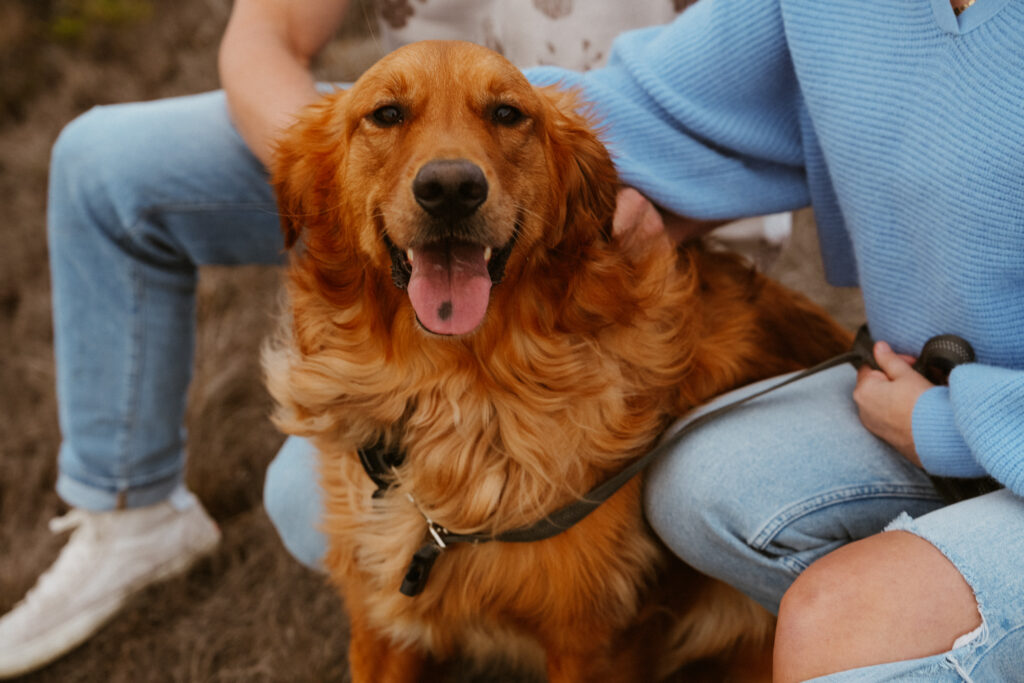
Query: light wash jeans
x=758, y=494
x=141, y=194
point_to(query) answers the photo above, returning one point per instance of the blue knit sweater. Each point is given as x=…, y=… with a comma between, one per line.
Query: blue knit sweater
x=902, y=124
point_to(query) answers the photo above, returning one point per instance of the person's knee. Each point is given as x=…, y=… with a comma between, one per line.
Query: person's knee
x=275, y=502
x=279, y=487
x=84, y=164
x=889, y=597
x=815, y=610
x=811, y=605
x=83, y=144
x=685, y=505
x=291, y=497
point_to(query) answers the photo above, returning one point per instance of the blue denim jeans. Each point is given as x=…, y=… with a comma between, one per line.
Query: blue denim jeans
x=140, y=195
x=757, y=495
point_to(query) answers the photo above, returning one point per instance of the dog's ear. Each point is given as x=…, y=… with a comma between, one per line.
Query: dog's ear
x=584, y=171
x=306, y=159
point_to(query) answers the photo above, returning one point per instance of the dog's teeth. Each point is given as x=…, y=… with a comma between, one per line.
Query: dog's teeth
x=408, y=254
x=487, y=254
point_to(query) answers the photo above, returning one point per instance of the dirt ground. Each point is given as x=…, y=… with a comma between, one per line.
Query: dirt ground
x=250, y=613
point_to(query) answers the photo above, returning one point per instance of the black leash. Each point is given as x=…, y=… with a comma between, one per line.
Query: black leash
x=938, y=357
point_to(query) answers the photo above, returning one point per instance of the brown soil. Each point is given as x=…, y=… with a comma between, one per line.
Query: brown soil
x=250, y=613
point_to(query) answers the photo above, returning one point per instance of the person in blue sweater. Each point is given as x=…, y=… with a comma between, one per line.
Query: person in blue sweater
x=903, y=125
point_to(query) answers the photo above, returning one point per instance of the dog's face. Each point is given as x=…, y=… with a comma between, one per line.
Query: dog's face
x=447, y=172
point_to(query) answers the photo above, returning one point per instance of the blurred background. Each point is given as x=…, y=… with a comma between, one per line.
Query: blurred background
x=249, y=613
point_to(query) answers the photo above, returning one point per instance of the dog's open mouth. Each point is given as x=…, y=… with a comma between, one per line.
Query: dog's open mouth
x=449, y=282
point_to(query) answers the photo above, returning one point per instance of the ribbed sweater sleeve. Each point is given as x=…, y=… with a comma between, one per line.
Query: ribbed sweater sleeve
x=987, y=404
x=703, y=113
x=939, y=443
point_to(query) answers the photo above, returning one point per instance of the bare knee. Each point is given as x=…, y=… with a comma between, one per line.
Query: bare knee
x=886, y=598
x=813, y=615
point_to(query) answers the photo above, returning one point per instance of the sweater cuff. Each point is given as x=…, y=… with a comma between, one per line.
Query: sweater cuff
x=940, y=446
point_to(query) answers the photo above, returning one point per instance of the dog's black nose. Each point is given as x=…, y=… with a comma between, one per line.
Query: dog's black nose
x=450, y=188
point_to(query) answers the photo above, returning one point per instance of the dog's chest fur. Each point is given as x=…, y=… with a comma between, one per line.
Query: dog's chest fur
x=485, y=451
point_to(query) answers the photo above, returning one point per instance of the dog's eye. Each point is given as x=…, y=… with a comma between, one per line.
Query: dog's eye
x=506, y=115
x=388, y=115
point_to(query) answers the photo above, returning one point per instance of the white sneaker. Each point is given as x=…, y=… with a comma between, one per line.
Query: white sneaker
x=109, y=557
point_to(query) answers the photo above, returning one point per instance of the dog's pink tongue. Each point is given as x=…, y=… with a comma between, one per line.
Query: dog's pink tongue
x=449, y=287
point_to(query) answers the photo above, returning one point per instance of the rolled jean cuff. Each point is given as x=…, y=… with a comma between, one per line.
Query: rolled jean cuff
x=88, y=497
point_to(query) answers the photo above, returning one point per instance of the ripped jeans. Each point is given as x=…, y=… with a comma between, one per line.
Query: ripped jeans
x=757, y=495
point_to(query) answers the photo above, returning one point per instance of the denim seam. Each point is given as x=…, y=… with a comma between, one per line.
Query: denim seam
x=124, y=470
x=954, y=668
x=959, y=668
x=770, y=530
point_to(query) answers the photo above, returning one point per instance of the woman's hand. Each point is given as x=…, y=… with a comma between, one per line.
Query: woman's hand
x=886, y=399
x=636, y=213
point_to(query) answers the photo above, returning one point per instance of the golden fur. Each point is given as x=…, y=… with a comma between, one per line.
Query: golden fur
x=590, y=346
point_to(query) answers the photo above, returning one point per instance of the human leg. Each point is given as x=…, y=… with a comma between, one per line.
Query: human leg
x=938, y=598
x=140, y=195
x=757, y=495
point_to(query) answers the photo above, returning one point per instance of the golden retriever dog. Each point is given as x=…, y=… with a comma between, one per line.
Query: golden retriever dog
x=457, y=298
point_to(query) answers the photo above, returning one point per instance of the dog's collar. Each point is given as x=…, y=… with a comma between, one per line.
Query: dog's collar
x=379, y=461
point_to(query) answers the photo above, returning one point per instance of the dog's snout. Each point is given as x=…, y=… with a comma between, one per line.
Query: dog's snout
x=450, y=188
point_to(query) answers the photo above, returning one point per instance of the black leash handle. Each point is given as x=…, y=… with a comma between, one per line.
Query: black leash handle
x=939, y=356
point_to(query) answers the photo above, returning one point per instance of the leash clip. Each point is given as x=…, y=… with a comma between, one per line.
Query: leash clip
x=437, y=532
x=423, y=560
